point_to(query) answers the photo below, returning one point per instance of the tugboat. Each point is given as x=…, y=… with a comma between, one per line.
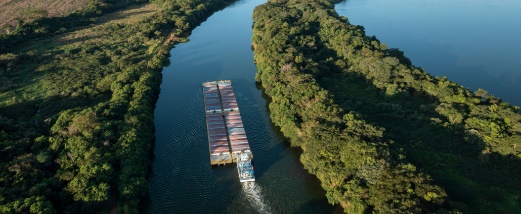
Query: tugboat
x=245, y=167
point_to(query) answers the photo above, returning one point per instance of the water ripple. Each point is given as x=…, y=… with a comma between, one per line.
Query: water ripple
x=182, y=179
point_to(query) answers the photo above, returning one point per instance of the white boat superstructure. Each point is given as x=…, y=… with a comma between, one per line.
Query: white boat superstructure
x=245, y=167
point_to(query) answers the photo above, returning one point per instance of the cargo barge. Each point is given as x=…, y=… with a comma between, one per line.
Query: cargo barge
x=227, y=139
x=217, y=137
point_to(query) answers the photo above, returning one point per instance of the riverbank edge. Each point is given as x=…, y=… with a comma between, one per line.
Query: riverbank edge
x=296, y=125
x=132, y=147
x=160, y=59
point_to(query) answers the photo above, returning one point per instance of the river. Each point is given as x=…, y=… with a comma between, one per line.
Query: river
x=182, y=179
x=475, y=43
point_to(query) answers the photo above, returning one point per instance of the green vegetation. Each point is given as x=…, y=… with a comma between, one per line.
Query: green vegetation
x=13, y=12
x=77, y=101
x=382, y=135
x=41, y=25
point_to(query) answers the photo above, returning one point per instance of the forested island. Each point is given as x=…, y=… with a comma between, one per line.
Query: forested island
x=382, y=135
x=77, y=96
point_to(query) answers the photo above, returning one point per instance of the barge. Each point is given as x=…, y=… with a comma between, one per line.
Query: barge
x=217, y=137
x=227, y=139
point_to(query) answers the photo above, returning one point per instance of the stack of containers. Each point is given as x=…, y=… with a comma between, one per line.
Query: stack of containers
x=211, y=98
x=227, y=96
x=236, y=133
x=218, y=142
x=219, y=149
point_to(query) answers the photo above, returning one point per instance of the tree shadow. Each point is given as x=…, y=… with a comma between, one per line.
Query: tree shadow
x=87, y=207
x=296, y=169
x=317, y=206
x=48, y=106
x=474, y=180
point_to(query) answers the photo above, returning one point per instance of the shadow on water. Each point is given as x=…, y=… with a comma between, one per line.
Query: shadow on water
x=255, y=119
x=146, y=204
x=312, y=207
x=182, y=180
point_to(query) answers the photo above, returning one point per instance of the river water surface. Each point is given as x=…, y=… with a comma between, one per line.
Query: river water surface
x=476, y=43
x=182, y=179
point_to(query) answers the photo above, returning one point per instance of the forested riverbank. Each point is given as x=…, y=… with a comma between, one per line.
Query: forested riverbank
x=382, y=135
x=77, y=97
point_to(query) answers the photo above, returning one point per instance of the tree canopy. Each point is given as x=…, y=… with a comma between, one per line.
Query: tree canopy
x=77, y=105
x=381, y=134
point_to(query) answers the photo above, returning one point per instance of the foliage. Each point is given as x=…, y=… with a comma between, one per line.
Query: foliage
x=13, y=12
x=382, y=135
x=76, y=108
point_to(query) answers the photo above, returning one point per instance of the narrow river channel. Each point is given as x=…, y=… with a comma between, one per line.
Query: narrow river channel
x=182, y=179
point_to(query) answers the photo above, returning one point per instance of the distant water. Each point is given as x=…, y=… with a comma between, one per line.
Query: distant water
x=476, y=43
x=183, y=180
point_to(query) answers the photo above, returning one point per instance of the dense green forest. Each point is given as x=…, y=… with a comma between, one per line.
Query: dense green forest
x=382, y=135
x=77, y=96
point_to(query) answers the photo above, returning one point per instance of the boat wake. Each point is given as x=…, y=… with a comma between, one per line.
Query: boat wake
x=253, y=193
